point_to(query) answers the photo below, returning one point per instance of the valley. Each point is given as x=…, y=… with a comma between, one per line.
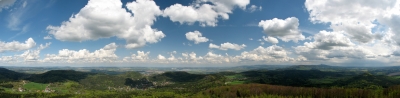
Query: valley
x=240, y=81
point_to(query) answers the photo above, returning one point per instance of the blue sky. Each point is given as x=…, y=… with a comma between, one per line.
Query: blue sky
x=198, y=32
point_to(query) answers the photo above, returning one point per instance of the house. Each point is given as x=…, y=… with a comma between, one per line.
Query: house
x=48, y=90
x=20, y=89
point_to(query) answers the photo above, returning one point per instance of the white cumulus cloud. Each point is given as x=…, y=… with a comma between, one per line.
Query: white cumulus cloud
x=161, y=57
x=343, y=53
x=7, y=59
x=105, y=54
x=270, y=39
x=337, y=11
x=33, y=55
x=17, y=46
x=108, y=18
x=191, y=58
x=365, y=34
x=196, y=36
x=228, y=45
x=269, y=54
x=350, y=52
x=357, y=23
x=328, y=45
x=285, y=30
x=213, y=46
x=47, y=37
x=206, y=12
x=216, y=58
x=327, y=40
x=254, y=8
x=141, y=56
x=391, y=18
x=335, y=45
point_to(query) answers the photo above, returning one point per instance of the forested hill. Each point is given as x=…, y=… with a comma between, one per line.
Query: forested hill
x=58, y=76
x=178, y=76
x=9, y=75
x=368, y=81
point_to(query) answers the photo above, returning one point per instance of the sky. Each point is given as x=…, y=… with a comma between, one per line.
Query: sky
x=197, y=33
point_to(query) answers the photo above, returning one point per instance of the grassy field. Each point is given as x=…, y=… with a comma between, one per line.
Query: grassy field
x=324, y=80
x=235, y=79
x=6, y=89
x=397, y=77
x=35, y=86
x=235, y=76
x=236, y=82
x=64, y=87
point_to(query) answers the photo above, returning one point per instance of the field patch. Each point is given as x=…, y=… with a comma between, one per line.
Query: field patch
x=35, y=86
x=236, y=82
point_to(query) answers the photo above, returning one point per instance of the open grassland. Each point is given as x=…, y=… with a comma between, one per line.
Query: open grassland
x=236, y=82
x=32, y=86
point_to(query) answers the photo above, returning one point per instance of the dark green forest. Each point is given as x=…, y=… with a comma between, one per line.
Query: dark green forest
x=303, y=81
